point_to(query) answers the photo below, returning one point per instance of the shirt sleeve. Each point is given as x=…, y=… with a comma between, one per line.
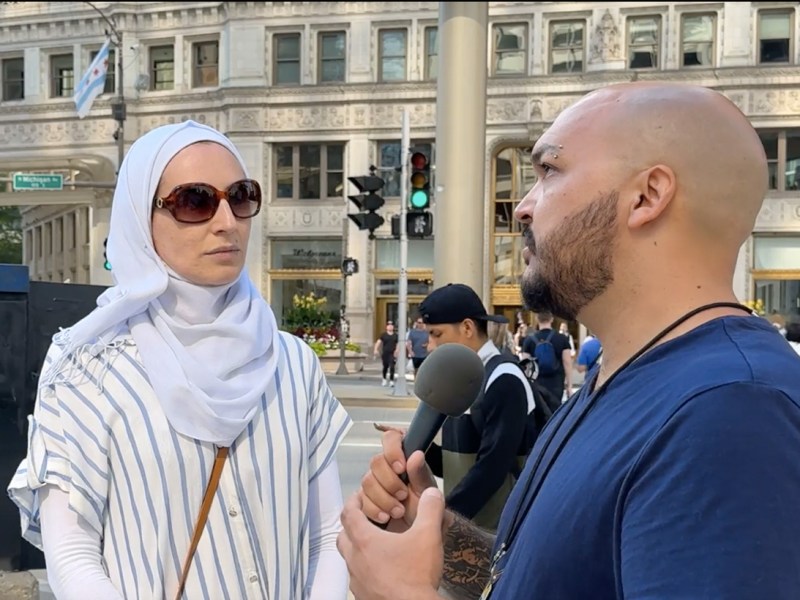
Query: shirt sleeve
x=327, y=571
x=328, y=421
x=68, y=449
x=503, y=430
x=710, y=510
x=72, y=550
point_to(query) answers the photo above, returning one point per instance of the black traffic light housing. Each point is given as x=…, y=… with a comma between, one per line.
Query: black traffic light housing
x=368, y=202
x=419, y=195
x=419, y=224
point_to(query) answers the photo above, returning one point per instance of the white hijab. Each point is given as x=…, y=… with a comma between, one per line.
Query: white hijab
x=209, y=352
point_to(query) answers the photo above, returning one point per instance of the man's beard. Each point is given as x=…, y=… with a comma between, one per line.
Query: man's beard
x=573, y=264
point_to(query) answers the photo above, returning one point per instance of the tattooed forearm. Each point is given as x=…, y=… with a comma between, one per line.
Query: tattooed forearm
x=467, y=558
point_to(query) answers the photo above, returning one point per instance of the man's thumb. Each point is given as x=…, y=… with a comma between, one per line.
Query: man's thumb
x=430, y=510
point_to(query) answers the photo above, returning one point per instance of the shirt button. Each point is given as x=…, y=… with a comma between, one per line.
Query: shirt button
x=253, y=578
x=232, y=511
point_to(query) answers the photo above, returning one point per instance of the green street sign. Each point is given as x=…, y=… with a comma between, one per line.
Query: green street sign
x=37, y=181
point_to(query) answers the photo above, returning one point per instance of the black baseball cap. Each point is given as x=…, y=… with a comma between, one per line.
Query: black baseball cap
x=452, y=304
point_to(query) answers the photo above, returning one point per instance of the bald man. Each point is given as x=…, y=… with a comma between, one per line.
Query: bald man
x=675, y=472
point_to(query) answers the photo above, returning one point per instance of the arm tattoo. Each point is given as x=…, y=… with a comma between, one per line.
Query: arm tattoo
x=467, y=558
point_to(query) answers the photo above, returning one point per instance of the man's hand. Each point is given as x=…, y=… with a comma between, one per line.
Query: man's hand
x=385, y=498
x=394, y=566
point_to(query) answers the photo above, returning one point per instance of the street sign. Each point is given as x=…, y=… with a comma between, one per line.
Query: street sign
x=37, y=181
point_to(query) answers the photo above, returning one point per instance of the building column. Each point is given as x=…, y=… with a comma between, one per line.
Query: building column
x=460, y=145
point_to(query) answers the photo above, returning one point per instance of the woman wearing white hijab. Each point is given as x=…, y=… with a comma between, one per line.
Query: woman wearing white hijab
x=181, y=360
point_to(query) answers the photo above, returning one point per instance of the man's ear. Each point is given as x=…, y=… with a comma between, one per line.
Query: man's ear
x=652, y=192
x=468, y=328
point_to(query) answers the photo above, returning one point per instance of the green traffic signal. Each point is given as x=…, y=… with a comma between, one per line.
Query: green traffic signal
x=420, y=199
x=107, y=266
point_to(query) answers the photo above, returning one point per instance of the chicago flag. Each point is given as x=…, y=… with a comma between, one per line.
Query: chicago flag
x=92, y=82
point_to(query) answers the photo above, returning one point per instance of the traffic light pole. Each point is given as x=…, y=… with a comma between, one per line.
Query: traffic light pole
x=342, y=370
x=400, y=387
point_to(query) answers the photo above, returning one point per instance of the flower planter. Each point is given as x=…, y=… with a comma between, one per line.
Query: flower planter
x=354, y=361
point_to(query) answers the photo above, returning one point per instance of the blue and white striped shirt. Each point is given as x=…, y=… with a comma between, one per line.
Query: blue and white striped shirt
x=140, y=484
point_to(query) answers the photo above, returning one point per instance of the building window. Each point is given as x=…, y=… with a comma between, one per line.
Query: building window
x=287, y=59
x=62, y=76
x=775, y=37
x=509, y=49
x=392, y=59
x=431, y=52
x=697, y=40
x=514, y=176
x=644, y=41
x=776, y=277
x=13, y=78
x=303, y=266
x=783, y=159
x=205, y=64
x=389, y=158
x=309, y=171
x=162, y=67
x=332, y=57
x=111, y=74
x=566, y=46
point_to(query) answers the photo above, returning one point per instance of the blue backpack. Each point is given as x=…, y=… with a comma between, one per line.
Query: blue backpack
x=545, y=355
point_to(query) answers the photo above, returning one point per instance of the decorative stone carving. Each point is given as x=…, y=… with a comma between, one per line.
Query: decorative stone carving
x=775, y=102
x=327, y=116
x=535, y=109
x=307, y=220
x=246, y=120
x=779, y=214
x=605, y=40
x=148, y=122
x=555, y=104
x=25, y=135
x=512, y=110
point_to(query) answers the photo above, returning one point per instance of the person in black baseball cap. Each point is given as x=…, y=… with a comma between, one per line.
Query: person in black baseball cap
x=481, y=452
x=455, y=314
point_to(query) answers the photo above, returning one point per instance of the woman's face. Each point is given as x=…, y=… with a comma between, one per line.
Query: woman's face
x=210, y=253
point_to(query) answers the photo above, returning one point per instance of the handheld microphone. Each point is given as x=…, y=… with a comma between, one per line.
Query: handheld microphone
x=447, y=383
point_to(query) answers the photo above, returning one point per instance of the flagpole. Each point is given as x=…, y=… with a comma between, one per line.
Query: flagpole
x=118, y=107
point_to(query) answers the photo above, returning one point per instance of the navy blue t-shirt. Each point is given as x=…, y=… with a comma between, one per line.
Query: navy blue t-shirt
x=681, y=483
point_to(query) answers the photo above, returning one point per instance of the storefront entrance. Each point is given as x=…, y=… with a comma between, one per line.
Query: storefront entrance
x=420, y=284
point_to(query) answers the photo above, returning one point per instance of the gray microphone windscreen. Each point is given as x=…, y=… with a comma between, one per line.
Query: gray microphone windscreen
x=450, y=379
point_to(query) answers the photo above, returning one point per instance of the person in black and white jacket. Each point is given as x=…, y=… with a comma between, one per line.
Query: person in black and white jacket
x=482, y=451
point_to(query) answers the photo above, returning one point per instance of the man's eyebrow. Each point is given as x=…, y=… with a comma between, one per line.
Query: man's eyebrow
x=536, y=155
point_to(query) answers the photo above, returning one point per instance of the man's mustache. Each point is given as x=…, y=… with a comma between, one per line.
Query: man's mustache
x=530, y=242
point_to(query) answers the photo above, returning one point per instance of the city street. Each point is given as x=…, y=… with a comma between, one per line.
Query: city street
x=366, y=403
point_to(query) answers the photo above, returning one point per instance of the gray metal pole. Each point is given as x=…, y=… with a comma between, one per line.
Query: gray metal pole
x=342, y=370
x=460, y=144
x=121, y=100
x=400, y=386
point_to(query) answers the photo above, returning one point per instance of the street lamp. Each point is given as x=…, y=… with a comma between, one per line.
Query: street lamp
x=118, y=108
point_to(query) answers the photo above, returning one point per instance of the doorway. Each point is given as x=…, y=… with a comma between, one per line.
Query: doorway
x=387, y=309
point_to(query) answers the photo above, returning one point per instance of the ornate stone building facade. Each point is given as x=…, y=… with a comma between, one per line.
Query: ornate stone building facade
x=312, y=93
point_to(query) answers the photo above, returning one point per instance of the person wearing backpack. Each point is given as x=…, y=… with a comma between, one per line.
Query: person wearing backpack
x=553, y=357
x=482, y=451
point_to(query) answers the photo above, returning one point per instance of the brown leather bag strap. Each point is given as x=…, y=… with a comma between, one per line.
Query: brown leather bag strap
x=208, y=498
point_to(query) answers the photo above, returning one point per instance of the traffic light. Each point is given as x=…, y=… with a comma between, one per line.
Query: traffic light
x=106, y=264
x=418, y=225
x=420, y=195
x=368, y=202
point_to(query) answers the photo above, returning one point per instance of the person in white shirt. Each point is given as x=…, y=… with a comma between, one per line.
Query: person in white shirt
x=183, y=361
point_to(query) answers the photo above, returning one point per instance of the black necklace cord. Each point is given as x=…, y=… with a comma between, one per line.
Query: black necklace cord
x=526, y=500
